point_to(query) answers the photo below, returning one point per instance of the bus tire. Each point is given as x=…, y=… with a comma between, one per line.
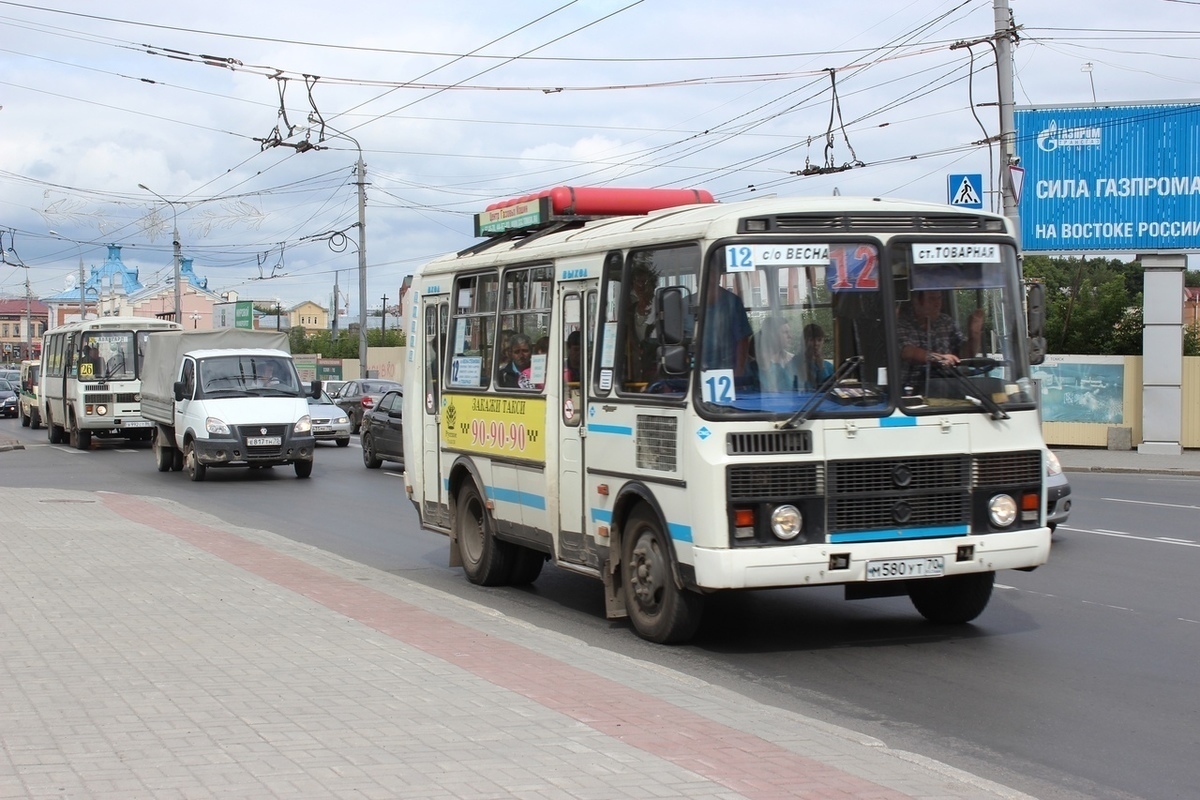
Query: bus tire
x=54, y=433
x=953, y=600
x=486, y=560
x=527, y=565
x=659, y=610
x=24, y=417
x=80, y=439
x=195, y=470
x=35, y=418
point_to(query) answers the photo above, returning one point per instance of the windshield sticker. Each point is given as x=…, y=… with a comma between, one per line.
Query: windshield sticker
x=717, y=386
x=854, y=268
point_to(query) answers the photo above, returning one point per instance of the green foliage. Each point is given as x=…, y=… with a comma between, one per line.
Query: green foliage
x=1191, y=340
x=1191, y=277
x=346, y=344
x=1093, y=306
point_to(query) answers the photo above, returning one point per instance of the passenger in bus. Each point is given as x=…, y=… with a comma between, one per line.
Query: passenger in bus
x=816, y=368
x=520, y=351
x=773, y=362
x=930, y=336
x=726, y=343
x=574, y=359
x=90, y=363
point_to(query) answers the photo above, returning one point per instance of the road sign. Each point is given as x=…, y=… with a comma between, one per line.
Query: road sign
x=966, y=191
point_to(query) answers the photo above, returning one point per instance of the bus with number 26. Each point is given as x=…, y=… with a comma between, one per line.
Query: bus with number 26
x=680, y=397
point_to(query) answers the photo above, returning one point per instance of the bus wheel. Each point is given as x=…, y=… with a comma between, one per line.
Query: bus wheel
x=660, y=610
x=527, y=565
x=80, y=439
x=195, y=470
x=54, y=433
x=35, y=418
x=954, y=599
x=24, y=417
x=486, y=560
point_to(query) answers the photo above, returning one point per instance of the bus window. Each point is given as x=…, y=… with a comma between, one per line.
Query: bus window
x=473, y=330
x=647, y=273
x=525, y=318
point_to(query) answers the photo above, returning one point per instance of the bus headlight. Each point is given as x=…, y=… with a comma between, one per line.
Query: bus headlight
x=787, y=522
x=1003, y=510
x=101, y=411
x=216, y=426
x=303, y=425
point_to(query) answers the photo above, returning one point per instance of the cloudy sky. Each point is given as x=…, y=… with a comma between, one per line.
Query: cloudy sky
x=456, y=104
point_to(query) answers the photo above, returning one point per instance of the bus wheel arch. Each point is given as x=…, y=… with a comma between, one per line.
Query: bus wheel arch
x=660, y=606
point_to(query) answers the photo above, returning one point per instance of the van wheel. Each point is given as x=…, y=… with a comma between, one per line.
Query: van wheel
x=954, y=599
x=303, y=468
x=163, y=456
x=486, y=560
x=659, y=610
x=195, y=470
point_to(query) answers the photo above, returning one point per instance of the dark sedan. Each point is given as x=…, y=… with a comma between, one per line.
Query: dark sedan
x=358, y=397
x=8, y=399
x=383, y=431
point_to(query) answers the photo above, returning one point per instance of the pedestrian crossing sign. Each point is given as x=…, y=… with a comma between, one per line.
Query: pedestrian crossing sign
x=966, y=191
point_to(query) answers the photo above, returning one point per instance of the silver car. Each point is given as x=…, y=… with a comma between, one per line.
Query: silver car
x=328, y=421
x=1058, y=492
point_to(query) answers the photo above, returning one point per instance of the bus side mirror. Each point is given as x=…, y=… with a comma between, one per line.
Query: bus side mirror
x=672, y=312
x=1035, y=321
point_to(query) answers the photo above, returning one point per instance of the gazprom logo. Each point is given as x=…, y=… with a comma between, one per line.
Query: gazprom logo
x=573, y=274
x=1053, y=137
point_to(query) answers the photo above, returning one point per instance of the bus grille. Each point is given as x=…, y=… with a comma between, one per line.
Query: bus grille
x=906, y=492
x=767, y=443
x=1008, y=469
x=656, y=443
x=773, y=482
x=121, y=397
x=941, y=223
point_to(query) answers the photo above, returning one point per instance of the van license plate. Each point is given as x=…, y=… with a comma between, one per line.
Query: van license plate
x=263, y=441
x=898, y=569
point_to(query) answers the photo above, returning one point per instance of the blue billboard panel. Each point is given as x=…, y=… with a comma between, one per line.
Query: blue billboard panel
x=1118, y=178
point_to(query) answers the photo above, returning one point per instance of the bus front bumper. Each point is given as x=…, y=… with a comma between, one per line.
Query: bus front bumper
x=782, y=566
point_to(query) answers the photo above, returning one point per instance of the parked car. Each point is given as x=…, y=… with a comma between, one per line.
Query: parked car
x=357, y=397
x=328, y=421
x=1058, y=492
x=383, y=431
x=8, y=399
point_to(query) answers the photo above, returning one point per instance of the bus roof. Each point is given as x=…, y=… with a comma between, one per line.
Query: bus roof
x=834, y=215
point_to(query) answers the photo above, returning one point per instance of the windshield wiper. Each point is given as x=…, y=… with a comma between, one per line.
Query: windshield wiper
x=823, y=391
x=979, y=399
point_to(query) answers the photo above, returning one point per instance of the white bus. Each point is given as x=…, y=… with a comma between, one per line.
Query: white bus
x=91, y=379
x=710, y=396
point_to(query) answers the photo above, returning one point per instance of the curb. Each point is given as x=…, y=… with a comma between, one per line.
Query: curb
x=10, y=444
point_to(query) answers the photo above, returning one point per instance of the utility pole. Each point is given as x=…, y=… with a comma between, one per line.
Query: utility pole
x=361, y=172
x=383, y=323
x=82, y=292
x=1006, y=31
x=336, y=296
x=178, y=251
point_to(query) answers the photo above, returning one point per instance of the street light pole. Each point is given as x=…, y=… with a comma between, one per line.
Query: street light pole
x=178, y=253
x=361, y=173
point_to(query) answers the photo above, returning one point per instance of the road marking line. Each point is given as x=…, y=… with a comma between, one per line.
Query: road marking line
x=1148, y=503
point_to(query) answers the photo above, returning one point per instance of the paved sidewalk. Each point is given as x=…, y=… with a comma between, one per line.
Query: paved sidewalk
x=151, y=651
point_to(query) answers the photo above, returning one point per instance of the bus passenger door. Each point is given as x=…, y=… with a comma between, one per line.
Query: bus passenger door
x=433, y=495
x=577, y=307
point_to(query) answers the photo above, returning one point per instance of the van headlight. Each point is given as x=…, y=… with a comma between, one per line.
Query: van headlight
x=216, y=426
x=303, y=425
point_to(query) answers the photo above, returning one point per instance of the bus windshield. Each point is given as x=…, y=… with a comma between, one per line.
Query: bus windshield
x=107, y=356
x=800, y=326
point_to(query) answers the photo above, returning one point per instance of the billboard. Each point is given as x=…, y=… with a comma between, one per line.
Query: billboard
x=234, y=315
x=1123, y=178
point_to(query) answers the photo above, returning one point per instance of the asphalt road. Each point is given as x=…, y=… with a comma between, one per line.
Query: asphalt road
x=1078, y=681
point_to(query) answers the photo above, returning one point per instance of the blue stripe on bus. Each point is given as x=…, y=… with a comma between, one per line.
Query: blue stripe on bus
x=519, y=498
x=899, y=534
x=619, y=430
x=898, y=422
x=680, y=533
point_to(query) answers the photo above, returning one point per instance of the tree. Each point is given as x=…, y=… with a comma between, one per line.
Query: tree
x=1093, y=306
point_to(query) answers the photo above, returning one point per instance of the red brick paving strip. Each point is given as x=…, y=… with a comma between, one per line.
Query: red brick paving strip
x=740, y=761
